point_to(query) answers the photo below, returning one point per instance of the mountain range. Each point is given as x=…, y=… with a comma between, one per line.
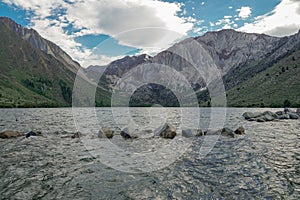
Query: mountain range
x=256, y=70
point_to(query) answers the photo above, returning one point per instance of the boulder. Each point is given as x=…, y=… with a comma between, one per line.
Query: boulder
x=261, y=119
x=166, y=131
x=10, y=134
x=250, y=115
x=125, y=134
x=283, y=116
x=280, y=113
x=269, y=116
x=293, y=116
x=240, y=131
x=189, y=133
x=30, y=134
x=298, y=111
x=287, y=110
x=105, y=133
x=227, y=132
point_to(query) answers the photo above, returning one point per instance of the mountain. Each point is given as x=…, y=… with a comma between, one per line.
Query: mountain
x=34, y=71
x=256, y=70
x=242, y=59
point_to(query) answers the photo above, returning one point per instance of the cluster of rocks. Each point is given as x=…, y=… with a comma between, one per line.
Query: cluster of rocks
x=266, y=116
x=14, y=134
x=189, y=133
x=168, y=131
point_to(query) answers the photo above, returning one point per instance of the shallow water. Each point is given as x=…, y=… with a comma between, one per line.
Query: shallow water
x=263, y=164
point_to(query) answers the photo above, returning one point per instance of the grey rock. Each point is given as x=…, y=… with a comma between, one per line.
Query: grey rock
x=250, y=115
x=227, y=132
x=189, y=133
x=260, y=119
x=298, y=111
x=287, y=110
x=293, y=116
x=125, y=134
x=268, y=117
x=283, y=116
x=166, y=131
x=280, y=113
x=240, y=131
x=105, y=133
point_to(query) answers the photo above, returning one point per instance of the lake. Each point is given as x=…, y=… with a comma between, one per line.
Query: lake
x=262, y=164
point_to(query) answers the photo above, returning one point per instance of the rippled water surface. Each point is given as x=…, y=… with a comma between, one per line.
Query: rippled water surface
x=262, y=164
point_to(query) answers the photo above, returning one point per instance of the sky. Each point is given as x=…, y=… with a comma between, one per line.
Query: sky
x=96, y=32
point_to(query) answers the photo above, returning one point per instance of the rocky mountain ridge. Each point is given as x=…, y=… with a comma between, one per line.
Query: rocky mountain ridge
x=238, y=57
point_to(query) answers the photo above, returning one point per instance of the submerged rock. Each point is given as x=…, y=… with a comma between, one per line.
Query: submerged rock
x=189, y=133
x=166, y=131
x=10, y=134
x=105, y=133
x=240, y=131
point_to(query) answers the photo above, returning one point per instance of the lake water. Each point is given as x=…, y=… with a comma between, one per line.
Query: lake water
x=262, y=164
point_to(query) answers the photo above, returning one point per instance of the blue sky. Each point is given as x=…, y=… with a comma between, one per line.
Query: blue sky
x=95, y=32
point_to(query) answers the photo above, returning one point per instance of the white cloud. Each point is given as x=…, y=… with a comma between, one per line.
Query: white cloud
x=230, y=7
x=145, y=24
x=244, y=12
x=202, y=3
x=282, y=21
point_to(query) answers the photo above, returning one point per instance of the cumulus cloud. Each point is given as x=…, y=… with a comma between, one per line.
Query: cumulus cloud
x=147, y=24
x=282, y=21
x=244, y=12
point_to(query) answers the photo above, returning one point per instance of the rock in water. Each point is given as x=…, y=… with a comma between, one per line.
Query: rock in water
x=105, y=133
x=166, y=131
x=76, y=135
x=240, y=131
x=189, y=133
x=250, y=115
x=293, y=116
x=31, y=133
x=298, y=111
x=280, y=113
x=10, y=134
x=260, y=119
x=269, y=116
x=125, y=134
x=287, y=110
x=227, y=132
x=283, y=116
